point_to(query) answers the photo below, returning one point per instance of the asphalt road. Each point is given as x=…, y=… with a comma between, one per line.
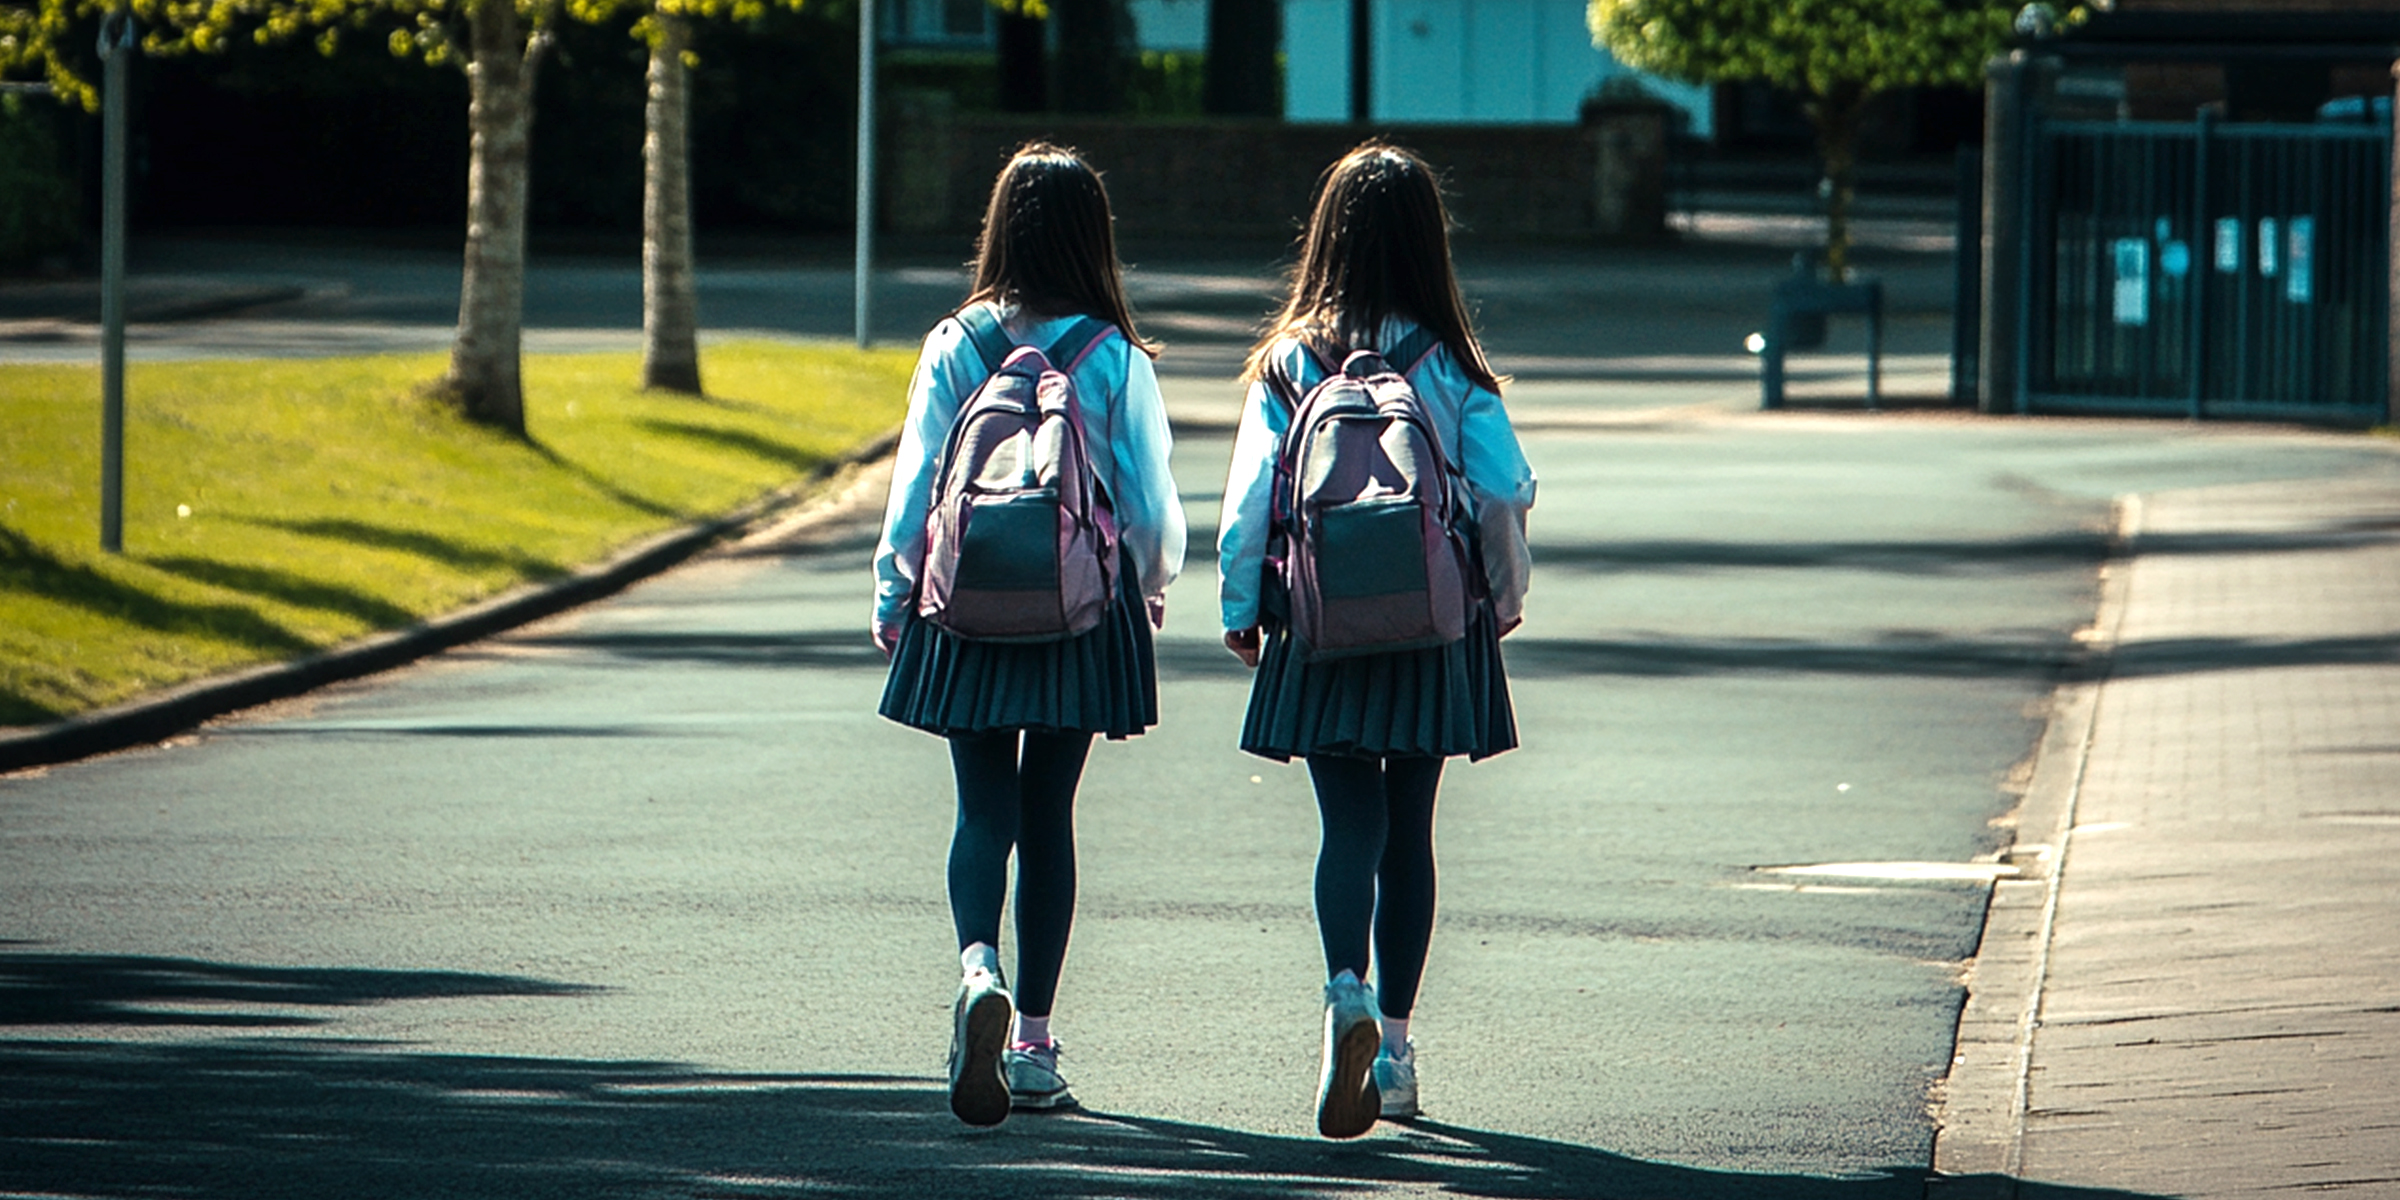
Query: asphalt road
x=646, y=901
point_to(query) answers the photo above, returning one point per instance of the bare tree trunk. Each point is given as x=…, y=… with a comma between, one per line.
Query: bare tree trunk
x=483, y=374
x=1024, y=78
x=1242, y=77
x=670, y=293
x=1836, y=117
x=1095, y=39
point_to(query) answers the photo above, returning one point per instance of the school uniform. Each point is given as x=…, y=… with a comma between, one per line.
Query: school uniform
x=1104, y=681
x=1433, y=702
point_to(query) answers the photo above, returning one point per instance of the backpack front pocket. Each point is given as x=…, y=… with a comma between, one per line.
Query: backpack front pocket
x=1371, y=547
x=1009, y=543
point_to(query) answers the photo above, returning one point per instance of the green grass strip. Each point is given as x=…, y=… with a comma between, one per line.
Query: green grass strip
x=277, y=507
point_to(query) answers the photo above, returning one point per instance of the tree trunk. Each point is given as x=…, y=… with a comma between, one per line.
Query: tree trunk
x=1835, y=117
x=484, y=376
x=670, y=292
x=1243, y=79
x=1023, y=79
x=1095, y=37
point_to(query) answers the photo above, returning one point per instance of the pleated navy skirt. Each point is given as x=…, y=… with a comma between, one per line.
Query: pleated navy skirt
x=1105, y=681
x=1430, y=703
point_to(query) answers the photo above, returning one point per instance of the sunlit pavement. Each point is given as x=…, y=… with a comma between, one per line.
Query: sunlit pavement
x=646, y=900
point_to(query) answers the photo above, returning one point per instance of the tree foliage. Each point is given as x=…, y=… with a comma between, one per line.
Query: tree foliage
x=1836, y=54
x=1814, y=47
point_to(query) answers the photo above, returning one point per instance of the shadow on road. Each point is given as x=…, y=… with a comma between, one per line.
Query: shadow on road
x=82, y=989
x=315, y=1117
x=322, y=1118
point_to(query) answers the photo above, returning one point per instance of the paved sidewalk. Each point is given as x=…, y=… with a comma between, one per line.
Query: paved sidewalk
x=2208, y=1001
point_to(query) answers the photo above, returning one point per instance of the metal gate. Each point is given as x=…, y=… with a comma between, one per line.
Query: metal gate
x=2205, y=269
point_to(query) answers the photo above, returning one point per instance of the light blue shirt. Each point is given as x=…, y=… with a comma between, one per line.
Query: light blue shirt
x=1122, y=409
x=1475, y=434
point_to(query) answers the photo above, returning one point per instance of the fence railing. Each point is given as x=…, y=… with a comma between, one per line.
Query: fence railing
x=2235, y=270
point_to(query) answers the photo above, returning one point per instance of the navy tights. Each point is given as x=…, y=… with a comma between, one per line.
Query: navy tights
x=1018, y=797
x=1375, y=869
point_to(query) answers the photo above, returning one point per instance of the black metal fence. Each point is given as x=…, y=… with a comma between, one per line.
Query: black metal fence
x=2235, y=270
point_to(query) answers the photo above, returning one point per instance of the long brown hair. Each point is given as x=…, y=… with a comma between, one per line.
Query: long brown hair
x=1378, y=245
x=1049, y=242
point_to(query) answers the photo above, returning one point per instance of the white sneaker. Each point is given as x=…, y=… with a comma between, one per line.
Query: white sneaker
x=1396, y=1078
x=1031, y=1069
x=1347, y=1102
x=978, y=1033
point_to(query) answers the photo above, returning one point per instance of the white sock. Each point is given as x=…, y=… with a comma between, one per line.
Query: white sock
x=1395, y=1036
x=982, y=956
x=1033, y=1030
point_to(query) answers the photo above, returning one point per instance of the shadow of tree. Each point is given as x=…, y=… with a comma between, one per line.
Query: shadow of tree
x=63, y=989
x=814, y=649
x=288, y=587
x=518, y=731
x=1938, y=557
x=312, y=1118
x=27, y=569
x=410, y=541
x=738, y=440
x=1929, y=656
x=264, y=1117
x=602, y=485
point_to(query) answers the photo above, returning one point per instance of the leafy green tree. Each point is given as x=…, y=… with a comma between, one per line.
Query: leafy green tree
x=499, y=44
x=1836, y=54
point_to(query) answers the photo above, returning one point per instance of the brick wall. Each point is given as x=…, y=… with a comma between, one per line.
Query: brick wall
x=1254, y=179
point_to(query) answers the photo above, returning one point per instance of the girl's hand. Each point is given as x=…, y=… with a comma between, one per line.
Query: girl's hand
x=1244, y=644
x=1158, y=612
x=886, y=640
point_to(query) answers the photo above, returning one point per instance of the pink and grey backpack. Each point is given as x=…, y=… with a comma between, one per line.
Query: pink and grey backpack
x=1020, y=543
x=1368, y=513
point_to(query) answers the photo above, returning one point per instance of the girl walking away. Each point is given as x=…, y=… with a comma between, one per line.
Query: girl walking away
x=1374, y=535
x=1027, y=546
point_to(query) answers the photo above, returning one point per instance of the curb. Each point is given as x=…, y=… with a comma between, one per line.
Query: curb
x=164, y=714
x=1979, y=1123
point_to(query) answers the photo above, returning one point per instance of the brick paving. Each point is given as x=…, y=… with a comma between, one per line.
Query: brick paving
x=2221, y=1015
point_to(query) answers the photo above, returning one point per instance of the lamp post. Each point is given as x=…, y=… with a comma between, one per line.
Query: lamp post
x=1362, y=61
x=864, y=230
x=116, y=54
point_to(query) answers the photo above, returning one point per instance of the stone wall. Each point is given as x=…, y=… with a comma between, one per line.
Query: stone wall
x=1229, y=178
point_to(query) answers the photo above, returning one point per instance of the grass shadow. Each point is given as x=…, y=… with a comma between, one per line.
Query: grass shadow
x=737, y=440
x=27, y=569
x=409, y=541
x=604, y=486
x=289, y=588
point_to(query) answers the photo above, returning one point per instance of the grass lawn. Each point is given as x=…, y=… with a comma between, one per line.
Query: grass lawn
x=275, y=507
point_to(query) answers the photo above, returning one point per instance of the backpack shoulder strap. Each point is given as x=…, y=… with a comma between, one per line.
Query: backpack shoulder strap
x=991, y=341
x=1289, y=386
x=1077, y=343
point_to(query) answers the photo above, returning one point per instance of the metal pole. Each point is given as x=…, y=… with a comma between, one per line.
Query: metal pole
x=1362, y=61
x=116, y=45
x=865, y=228
x=2203, y=262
